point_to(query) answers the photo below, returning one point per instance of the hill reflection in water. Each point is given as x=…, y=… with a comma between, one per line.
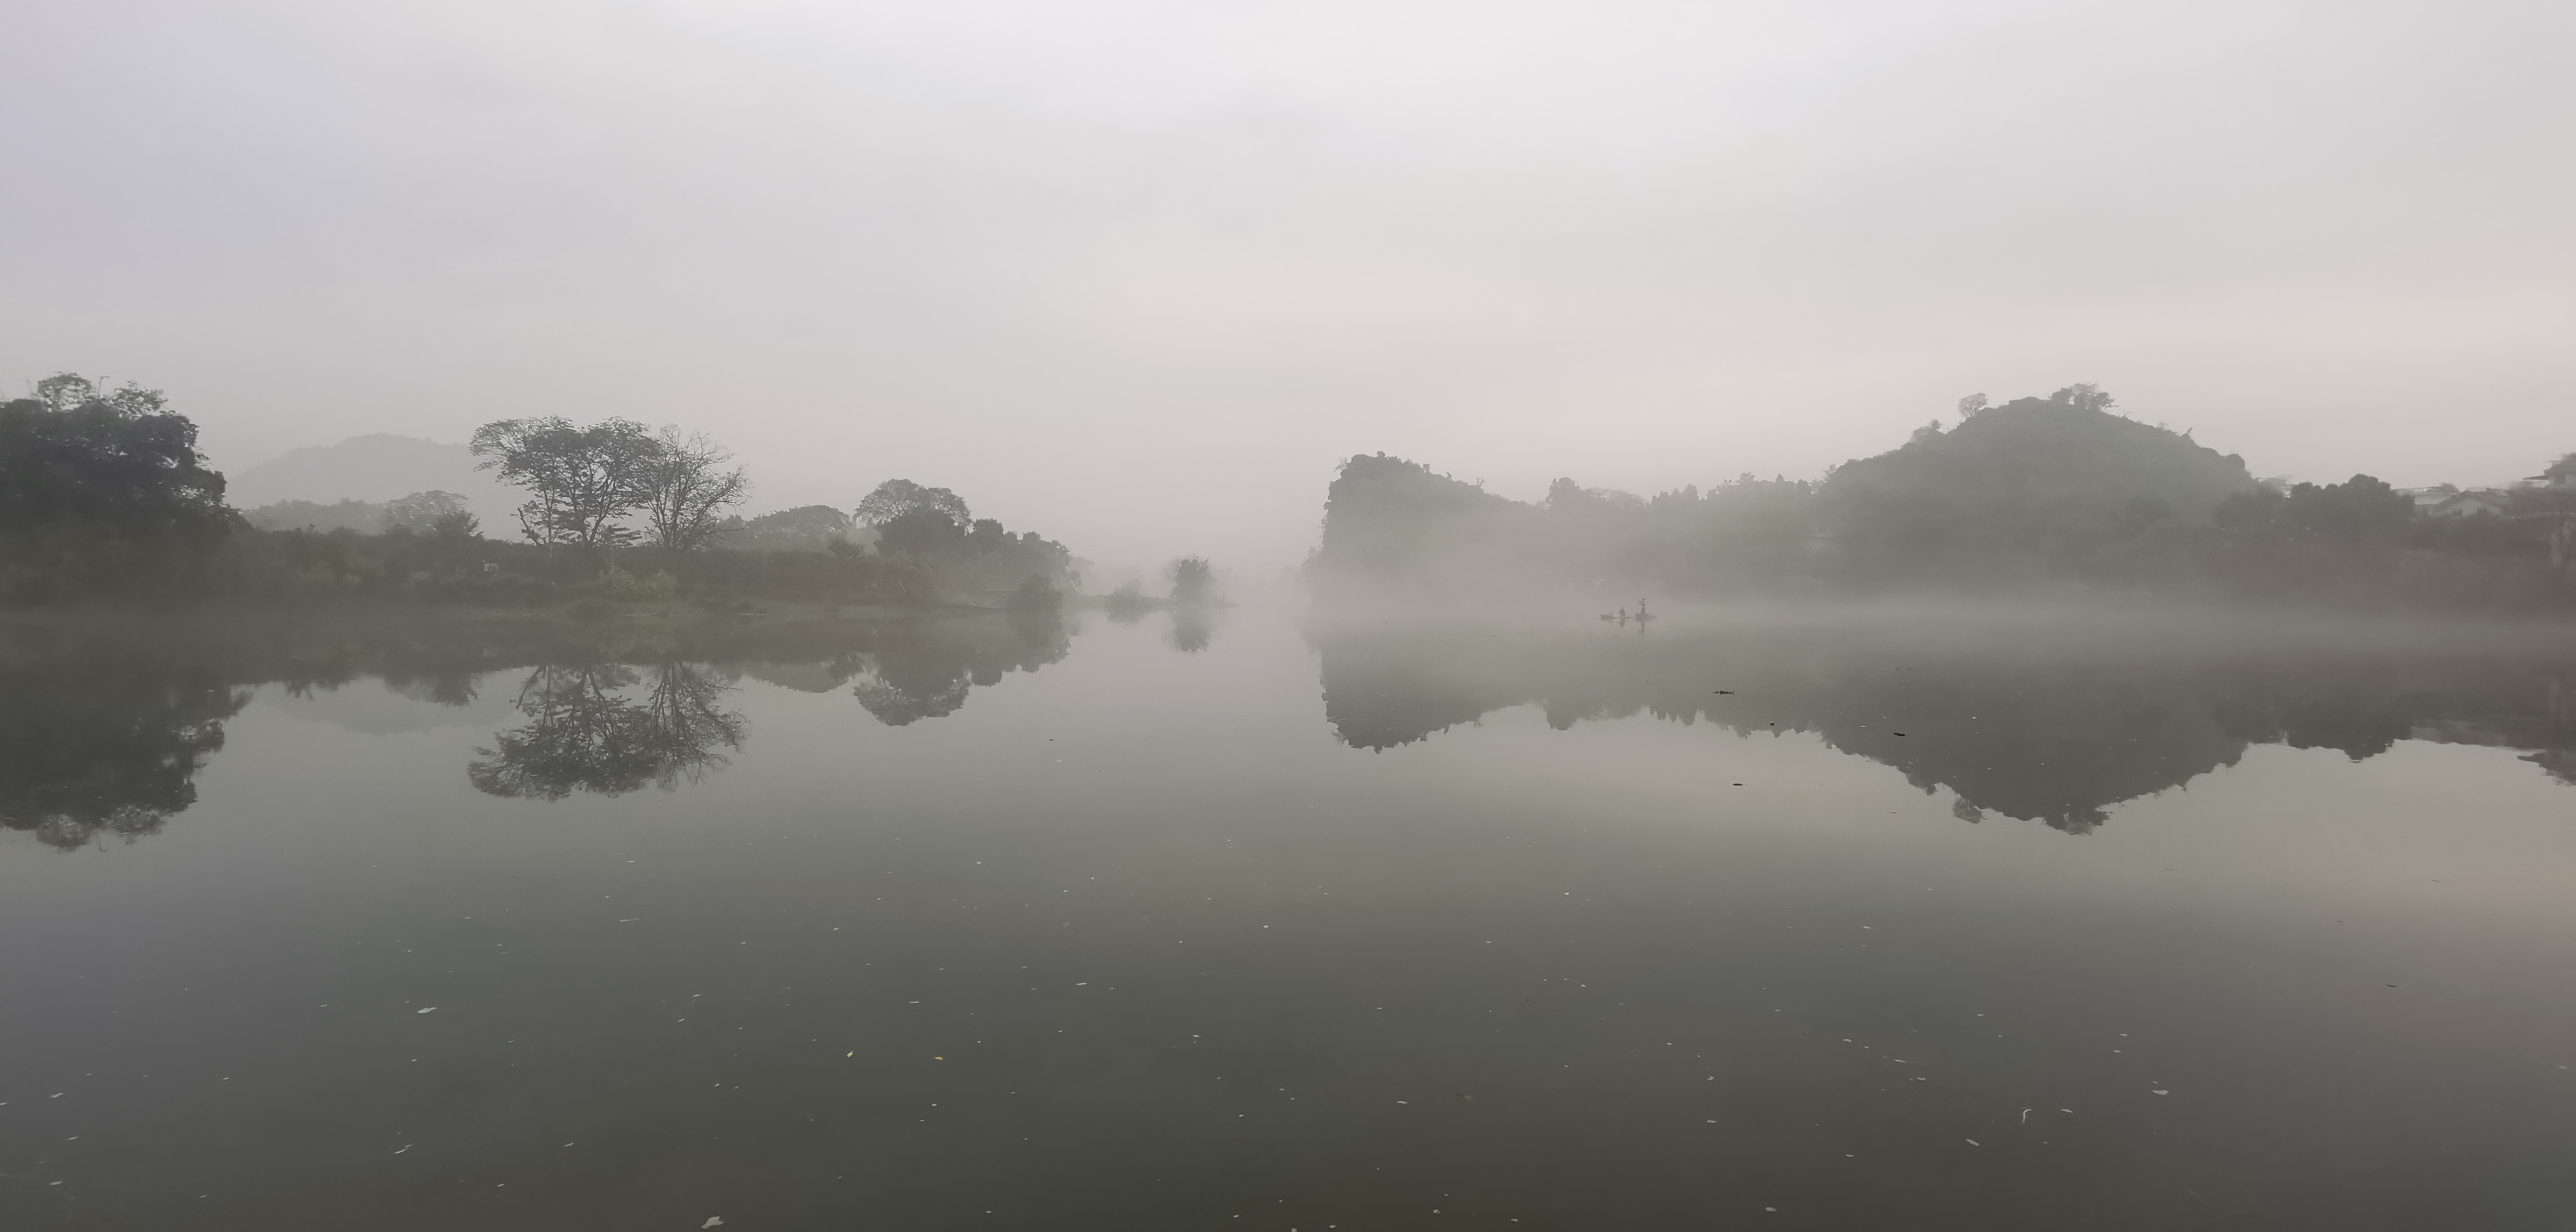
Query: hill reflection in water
x=2055, y=722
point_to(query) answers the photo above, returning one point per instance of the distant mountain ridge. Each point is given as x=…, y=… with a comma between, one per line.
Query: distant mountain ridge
x=377, y=467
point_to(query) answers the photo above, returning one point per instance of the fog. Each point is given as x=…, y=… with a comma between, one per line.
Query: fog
x=1143, y=273
x=999, y=614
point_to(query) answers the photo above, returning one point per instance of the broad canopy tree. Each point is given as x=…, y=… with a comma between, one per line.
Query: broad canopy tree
x=896, y=498
x=584, y=481
x=78, y=455
x=580, y=481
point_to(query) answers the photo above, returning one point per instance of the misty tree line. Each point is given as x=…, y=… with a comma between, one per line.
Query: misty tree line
x=2038, y=493
x=105, y=494
x=595, y=489
x=442, y=516
x=616, y=483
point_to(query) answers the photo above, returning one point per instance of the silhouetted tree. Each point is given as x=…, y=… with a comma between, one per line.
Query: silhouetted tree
x=898, y=498
x=2083, y=397
x=103, y=494
x=1193, y=580
x=580, y=480
x=687, y=489
x=76, y=455
x=925, y=532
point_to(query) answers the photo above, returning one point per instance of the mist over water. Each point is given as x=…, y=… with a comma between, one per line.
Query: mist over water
x=1288, y=921
x=1403, y=614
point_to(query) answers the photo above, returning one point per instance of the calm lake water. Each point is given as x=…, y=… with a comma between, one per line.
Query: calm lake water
x=1807, y=921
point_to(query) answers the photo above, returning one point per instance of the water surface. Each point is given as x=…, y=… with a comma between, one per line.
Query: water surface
x=1816, y=921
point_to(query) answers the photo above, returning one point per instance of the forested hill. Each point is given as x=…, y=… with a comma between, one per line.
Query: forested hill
x=1390, y=521
x=2033, y=486
x=2047, y=492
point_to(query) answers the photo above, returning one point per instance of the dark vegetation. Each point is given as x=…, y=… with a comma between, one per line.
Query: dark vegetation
x=2036, y=495
x=103, y=492
x=105, y=497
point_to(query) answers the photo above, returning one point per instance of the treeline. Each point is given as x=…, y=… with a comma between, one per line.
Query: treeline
x=104, y=495
x=2038, y=494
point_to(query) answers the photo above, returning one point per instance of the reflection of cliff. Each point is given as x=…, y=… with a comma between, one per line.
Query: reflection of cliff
x=95, y=743
x=2052, y=731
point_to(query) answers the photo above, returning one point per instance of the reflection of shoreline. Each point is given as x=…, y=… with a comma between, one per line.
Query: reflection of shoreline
x=1193, y=622
x=106, y=725
x=371, y=706
x=925, y=670
x=2057, y=726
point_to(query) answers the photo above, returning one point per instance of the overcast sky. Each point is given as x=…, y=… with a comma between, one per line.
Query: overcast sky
x=1139, y=273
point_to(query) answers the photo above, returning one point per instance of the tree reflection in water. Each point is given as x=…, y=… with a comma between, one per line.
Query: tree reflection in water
x=1191, y=628
x=925, y=671
x=104, y=725
x=588, y=731
x=106, y=743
